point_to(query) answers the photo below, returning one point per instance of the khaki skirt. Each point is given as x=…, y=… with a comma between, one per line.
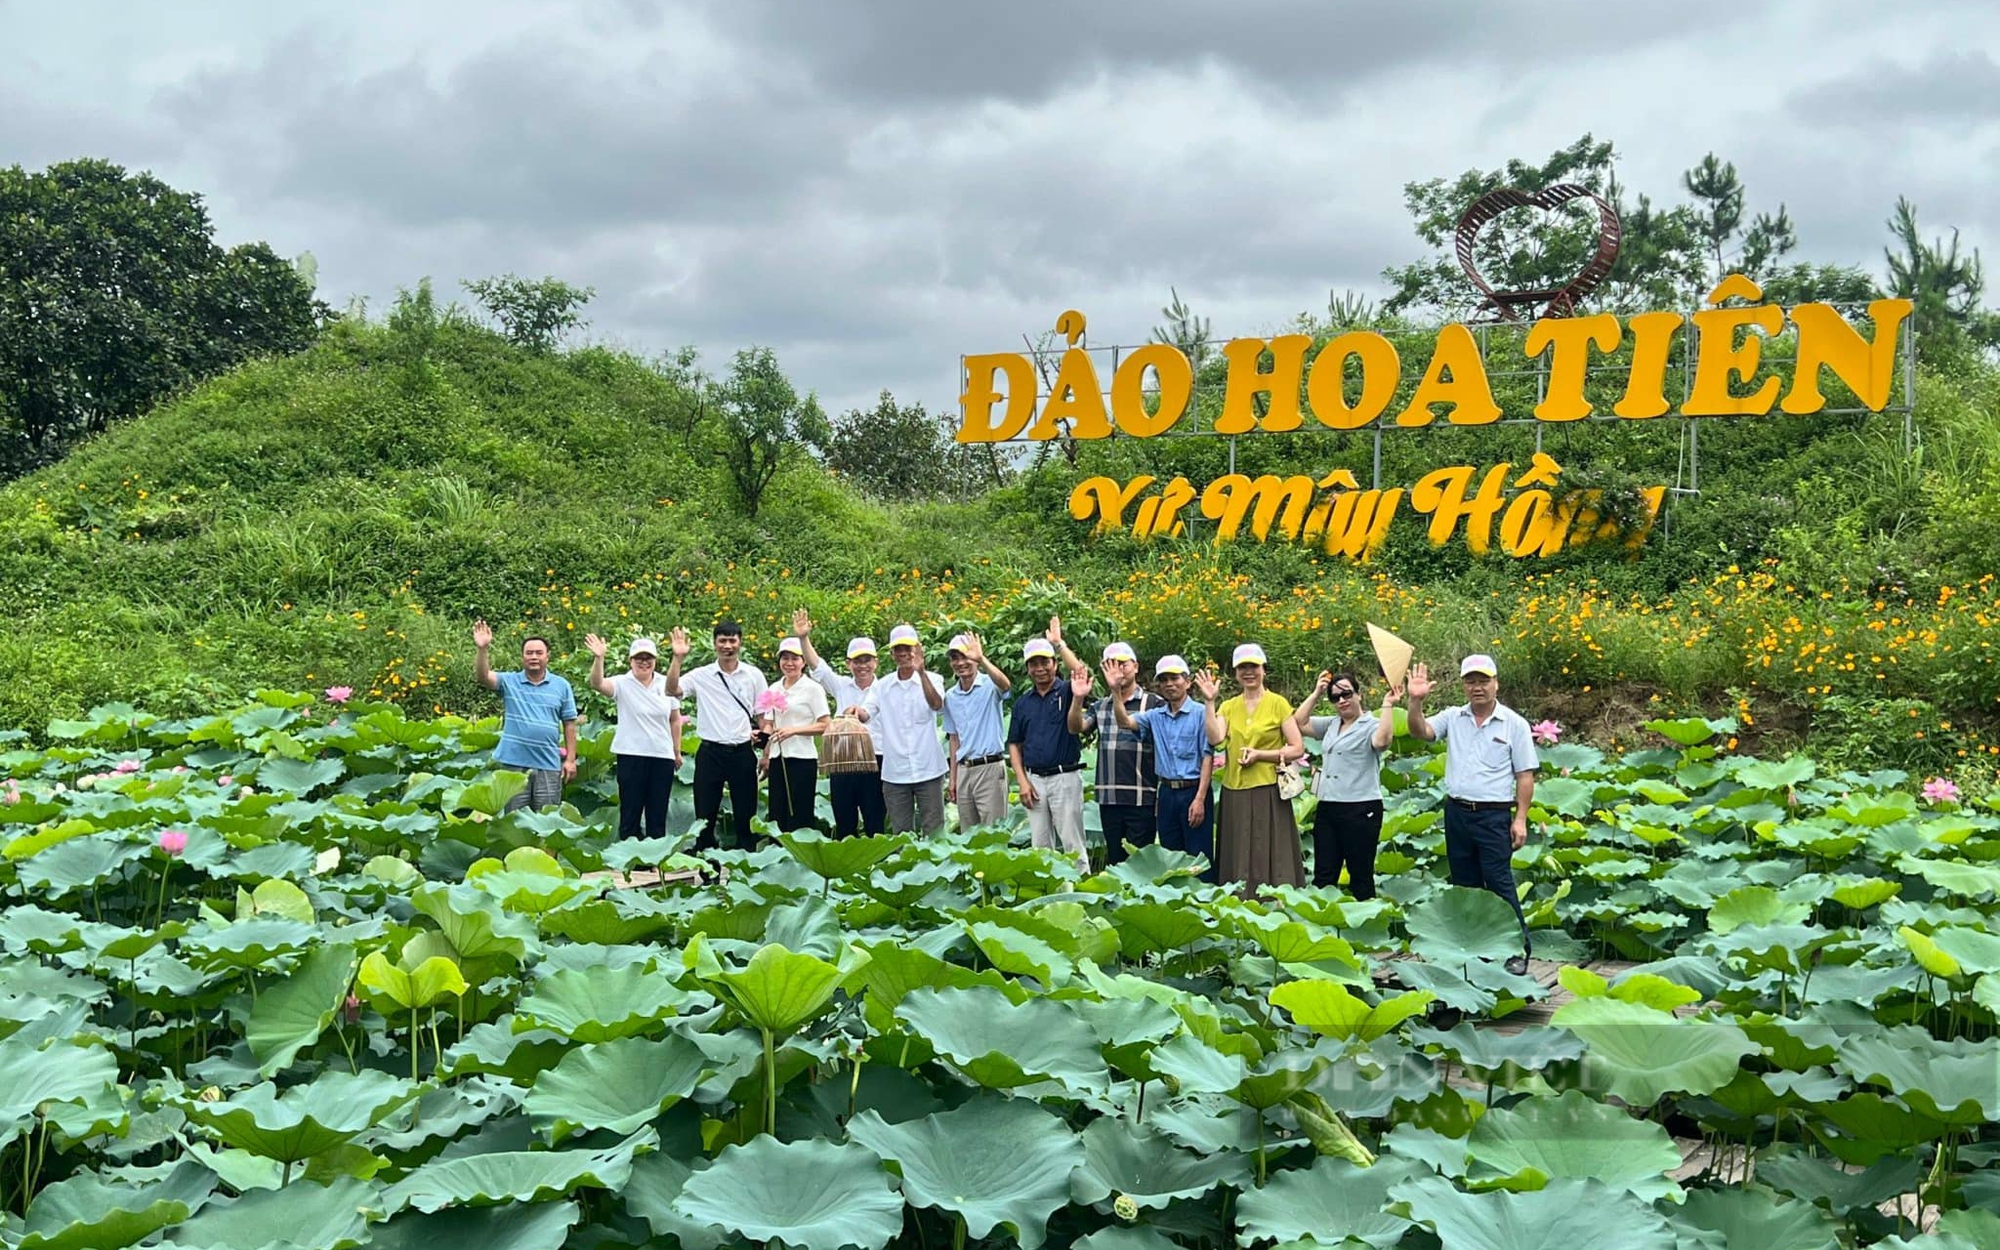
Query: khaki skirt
x=1256, y=838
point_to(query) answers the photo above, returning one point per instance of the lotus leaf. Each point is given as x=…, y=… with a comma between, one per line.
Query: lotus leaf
x=618, y=1085
x=1754, y=905
x=1331, y=1011
x=991, y=1161
x=999, y=1044
x=34, y=1076
x=1812, y=1178
x=778, y=991
x=1143, y=1165
x=88, y=1212
x=1573, y=1136
x=1957, y=1082
x=432, y=980
x=301, y=1216
x=1021, y=954
x=307, y=1119
x=1332, y=1196
x=1565, y=1215
x=512, y=1176
x=290, y=1016
x=1639, y=1055
x=839, y=858
x=1458, y=926
x=544, y=1226
x=812, y=1195
x=599, y=1004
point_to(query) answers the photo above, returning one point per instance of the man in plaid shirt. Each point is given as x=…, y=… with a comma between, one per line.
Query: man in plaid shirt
x=1126, y=784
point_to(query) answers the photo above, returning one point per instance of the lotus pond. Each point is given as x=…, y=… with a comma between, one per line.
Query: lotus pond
x=279, y=977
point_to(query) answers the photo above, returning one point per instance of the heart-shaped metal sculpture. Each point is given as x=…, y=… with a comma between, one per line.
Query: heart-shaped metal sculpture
x=1558, y=301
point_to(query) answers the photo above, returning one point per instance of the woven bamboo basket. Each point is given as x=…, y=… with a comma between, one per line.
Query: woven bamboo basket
x=846, y=747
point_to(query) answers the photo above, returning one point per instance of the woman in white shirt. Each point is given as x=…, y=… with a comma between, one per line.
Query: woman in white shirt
x=1347, y=825
x=791, y=758
x=647, y=742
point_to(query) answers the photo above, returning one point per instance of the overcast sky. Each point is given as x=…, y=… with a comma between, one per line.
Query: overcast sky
x=874, y=187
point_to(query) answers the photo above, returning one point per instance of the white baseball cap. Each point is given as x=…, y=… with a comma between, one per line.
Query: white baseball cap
x=642, y=646
x=959, y=643
x=1121, y=651
x=1247, y=653
x=904, y=636
x=791, y=646
x=1170, y=664
x=1478, y=663
x=1041, y=647
x=858, y=647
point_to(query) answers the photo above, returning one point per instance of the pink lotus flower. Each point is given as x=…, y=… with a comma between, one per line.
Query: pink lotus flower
x=1941, y=790
x=11, y=795
x=772, y=700
x=225, y=780
x=1547, y=732
x=179, y=769
x=339, y=694
x=126, y=766
x=351, y=1009
x=173, y=842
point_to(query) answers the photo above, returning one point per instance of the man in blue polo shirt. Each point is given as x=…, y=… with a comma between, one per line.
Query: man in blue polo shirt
x=538, y=725
x=1047, y=757
x=1178, y=730
x=1489, y=781
x=978, y=779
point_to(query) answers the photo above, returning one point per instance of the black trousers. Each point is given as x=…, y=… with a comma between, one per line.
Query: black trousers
x=645, y=783
x=791, y=784
x=1347, y=833
x=1126, y=822
x=719, y=765
x=858, y=805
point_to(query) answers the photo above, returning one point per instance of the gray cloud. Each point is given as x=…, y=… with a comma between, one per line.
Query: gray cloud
x=874, y=188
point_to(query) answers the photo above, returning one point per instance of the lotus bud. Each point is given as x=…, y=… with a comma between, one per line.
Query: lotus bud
x=226, y=780
x=351, y=1009
x=246, y=792
x=173, y=842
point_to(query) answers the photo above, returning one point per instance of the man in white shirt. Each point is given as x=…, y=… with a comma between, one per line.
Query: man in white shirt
x=856, y=796
x=725, y=694
x=907, y=706
x=1489, y=781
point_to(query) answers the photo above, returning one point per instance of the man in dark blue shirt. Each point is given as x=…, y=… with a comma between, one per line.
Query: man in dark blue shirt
x=1047, y=757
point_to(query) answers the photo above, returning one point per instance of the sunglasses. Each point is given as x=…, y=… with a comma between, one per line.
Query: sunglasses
x=1343, y=694
x=643, y=659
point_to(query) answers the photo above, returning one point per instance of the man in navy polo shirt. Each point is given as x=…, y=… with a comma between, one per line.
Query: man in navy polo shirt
x=1047, y=757
x=538, y=719
x=1489, y=780
x=1183, y=759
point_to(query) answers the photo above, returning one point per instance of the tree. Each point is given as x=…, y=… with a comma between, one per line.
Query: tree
x=892, y=451
x=1945, y=286
x=1718, y=210
x=1185, y=331
x=114, y=295
x=752, y=421
x=534, y=315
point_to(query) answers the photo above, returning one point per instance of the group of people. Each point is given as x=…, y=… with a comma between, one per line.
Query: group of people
x=1196, y=775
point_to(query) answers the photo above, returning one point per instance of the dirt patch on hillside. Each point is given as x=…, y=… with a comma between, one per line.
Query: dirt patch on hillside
x=1610, y=716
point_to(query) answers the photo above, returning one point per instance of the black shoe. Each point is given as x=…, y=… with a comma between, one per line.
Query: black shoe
x=1517, y=966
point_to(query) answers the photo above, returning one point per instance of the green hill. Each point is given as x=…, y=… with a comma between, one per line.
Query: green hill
x=338, y=518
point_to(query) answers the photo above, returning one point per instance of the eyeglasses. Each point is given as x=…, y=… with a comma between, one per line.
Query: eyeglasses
x=642, y=659
x=1345, y=694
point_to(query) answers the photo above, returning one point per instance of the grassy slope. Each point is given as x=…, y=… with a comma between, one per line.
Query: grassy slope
x=338, y=517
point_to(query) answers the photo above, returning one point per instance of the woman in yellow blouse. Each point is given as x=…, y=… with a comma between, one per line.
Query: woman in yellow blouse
x=1256, y=839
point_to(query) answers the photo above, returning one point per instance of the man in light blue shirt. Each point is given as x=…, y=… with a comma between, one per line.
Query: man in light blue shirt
x=1182, y=760
x=1489, y=781
x=538, y=726
x=978, y=748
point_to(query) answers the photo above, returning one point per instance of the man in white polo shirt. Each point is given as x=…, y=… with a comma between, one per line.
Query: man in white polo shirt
x=856, y=797
x=906, y=705
x=1489, y=781
x=725, y=694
